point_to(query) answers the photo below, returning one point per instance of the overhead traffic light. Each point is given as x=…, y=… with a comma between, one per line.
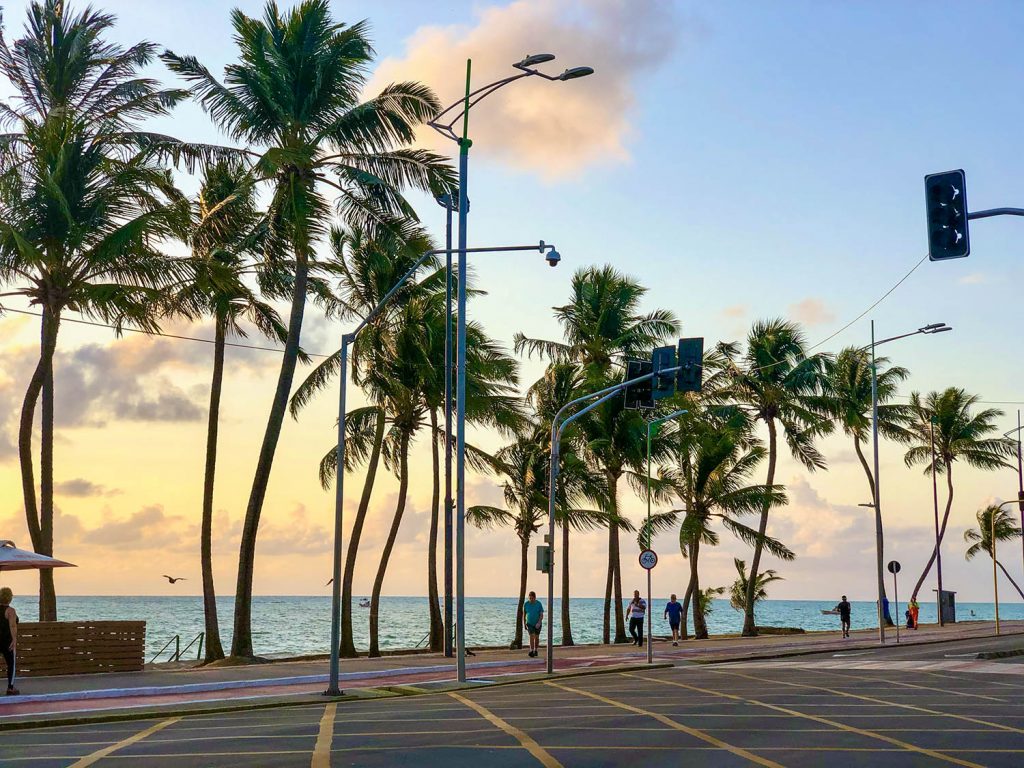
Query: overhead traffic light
x=639, y=395
x=691, y=365
x=664, y=384
x=945, y=197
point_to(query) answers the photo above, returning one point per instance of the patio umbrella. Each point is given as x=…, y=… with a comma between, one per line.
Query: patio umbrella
x=14, y=559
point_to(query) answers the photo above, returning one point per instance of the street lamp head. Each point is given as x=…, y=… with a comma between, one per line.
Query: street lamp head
x=553, y=257
x=935, y=328
x=534, y=59
x=574, y=72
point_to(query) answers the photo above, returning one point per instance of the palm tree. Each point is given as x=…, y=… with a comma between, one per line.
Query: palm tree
x=295, y=95
x=717, y=455
x=602, y=325
x=82, y=206
x=961, y=434
x=221, y=235
x=775, y=381
x=846, y=399
x=738, y=592
x=980, y=539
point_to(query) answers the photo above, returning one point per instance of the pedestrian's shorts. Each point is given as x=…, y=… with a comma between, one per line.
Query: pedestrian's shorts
x=533, y=629
x=673, y=624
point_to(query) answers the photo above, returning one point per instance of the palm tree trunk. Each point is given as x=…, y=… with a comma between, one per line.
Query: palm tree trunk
x=878, y=512
x=47, y=593
x=749, y=627
x=614, y=565
x=241, y=641
x=942, y=528
x=1008, y=576
x=684, y=632
x=214, y=649
x=524, y=556
x=566, y=623
x=606, y=624
x=700, y=626
x=436, y=623
x=348, y=648
x=378, y=583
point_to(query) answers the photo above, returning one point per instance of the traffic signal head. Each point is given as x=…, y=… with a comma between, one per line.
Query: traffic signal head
x=691, y=365
x=639, y=395
x=945, y=196
x=664, y=384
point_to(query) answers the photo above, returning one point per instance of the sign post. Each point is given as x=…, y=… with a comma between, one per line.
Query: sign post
x=649, y=559
x=894, y=568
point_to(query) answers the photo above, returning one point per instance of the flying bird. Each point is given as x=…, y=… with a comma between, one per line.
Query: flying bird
x=173, y=579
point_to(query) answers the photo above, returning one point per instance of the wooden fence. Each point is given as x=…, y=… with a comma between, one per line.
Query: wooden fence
x=80, y=647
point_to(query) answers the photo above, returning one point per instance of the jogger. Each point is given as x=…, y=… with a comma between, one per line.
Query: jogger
x=8, y=637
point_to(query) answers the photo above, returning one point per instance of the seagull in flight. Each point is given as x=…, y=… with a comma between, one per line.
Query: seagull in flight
x=173, y=579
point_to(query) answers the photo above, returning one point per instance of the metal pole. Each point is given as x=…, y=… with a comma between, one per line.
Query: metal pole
x=1020, y=478
x=460, y=403
x=877, y=499
x=995, y=581
x=339, y=495
x=448, y=503
x=935, y=504
x=896, y=598
x=549, y=655
x=650, y=642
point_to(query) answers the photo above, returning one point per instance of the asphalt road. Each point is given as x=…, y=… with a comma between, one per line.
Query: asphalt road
x=955, y=649
x=760, y=714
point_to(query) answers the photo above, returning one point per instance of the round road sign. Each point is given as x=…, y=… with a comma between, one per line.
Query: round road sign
x=648, y=559
x=894, y=566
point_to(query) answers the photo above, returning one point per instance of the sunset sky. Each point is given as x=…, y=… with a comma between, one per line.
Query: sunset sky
x=743, y=160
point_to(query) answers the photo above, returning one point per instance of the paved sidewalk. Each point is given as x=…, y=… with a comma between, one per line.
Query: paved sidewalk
x=162, y=687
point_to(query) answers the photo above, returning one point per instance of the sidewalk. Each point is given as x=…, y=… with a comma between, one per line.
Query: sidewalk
x=49, y=699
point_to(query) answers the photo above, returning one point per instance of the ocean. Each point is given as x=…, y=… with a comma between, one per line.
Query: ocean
x=286, y=626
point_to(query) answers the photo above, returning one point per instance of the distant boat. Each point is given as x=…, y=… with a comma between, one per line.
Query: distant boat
x=364, y=603
x=829, y=613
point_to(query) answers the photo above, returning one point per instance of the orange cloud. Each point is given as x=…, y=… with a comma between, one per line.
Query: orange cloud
x=554, y=129
x=811, y=312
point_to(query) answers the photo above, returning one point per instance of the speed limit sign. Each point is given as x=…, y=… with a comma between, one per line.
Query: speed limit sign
x=648, y=559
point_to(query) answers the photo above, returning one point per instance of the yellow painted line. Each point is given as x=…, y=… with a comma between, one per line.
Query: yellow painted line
x=322, y=749
x=946, y=691
x=911, y=707
x=823, y=720
x=98, y=755
x=531, y=746
x=705, y=737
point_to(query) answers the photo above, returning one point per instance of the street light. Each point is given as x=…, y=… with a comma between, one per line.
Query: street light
x=339, y=489
x=1020, y=471
x=650, y=426
x=444, y=124
x=927, y=330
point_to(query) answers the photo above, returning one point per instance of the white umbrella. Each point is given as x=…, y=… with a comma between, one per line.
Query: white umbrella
x=14, y=559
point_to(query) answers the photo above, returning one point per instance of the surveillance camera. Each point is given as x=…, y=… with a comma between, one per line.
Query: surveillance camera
x=553, y=257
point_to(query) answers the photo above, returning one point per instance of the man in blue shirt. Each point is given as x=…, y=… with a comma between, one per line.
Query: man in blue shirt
x=674, y=614
x=533, y=618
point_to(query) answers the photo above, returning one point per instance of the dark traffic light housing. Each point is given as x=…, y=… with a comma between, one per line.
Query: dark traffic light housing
x=945, y=197
x=690, y=376
x=639, y=395
x=664, y=384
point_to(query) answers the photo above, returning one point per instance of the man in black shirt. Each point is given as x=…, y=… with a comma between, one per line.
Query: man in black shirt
x=844, y=615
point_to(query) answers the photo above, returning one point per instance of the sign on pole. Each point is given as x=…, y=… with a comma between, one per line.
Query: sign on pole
x=648, y=559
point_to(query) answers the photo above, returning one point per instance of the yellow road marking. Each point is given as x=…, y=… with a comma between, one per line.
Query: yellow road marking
x=706, y=737
x=322, y=750
x=850, y=676
x=872, y=699
x=531, y=746
x=816, y=718
x=99, y=754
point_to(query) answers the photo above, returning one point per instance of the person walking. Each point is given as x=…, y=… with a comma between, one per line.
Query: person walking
x=844, y=615
x=8, y=636
x=915, y=609
x=636, y=612
x=533, y=619
x=674, y=614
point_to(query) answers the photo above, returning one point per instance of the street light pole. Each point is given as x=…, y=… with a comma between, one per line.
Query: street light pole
x=935, y=507
x=1020, y=471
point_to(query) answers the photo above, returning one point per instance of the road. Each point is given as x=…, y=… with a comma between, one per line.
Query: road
x=896, y=708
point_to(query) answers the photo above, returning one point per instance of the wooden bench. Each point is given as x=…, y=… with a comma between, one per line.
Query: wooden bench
x=79, y=647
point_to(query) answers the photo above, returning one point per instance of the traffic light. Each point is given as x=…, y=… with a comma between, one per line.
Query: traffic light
x=664, y=384
x=639, y=395
x=945, y=196
x=691, y=365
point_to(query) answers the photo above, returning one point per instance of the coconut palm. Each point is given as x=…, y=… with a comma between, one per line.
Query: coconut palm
x=81, y=206
x=962, y=434
x=294, y=96
x=775, y=380
x=222, y=234
x=738, y=592
x=1005, y=528
x=602, y=325
x=717, y=455
x=846, y=399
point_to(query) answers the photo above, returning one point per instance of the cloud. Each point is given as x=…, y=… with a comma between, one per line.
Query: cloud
x=811, y=312
x=736, y=311
x=554, y=129
x=975, y=278
x=81, y=488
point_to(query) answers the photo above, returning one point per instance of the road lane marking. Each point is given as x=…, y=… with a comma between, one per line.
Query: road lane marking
x=324, y=738
x=706, y=737
x=823, y=720
x=911, y=707
x=99, y=754
x=531, y=746
x=920, y=687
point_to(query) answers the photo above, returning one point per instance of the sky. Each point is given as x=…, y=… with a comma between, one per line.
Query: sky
x=743, y=160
